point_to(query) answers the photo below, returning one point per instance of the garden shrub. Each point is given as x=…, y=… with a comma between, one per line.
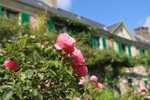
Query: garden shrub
x=105, y=94
x=8, y=29
x=44, y=73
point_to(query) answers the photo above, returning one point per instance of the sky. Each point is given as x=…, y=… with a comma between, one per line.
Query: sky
x=133, y=12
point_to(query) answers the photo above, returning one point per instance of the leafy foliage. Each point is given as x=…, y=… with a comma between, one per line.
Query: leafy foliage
x=44, y=73
x=8, y=28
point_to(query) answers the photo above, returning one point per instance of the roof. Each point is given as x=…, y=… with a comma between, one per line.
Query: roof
x=141, y=39
x=137, y=43
x=34, y=3
x=134, y=36
x=60, y=12
x=113, y=27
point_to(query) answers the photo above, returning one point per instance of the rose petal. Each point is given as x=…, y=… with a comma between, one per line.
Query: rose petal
x=65, y=42
x=82, y=82
x=57, y=46
x=93, y=78
x=77, y=56
x=80, y=70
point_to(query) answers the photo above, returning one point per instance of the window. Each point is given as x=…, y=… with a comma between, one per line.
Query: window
x=50, y=25
x=104, y=40
x=11, y=13
x=1, y=11
x=121, y=47
x=7, y=12
x=129, y=51
x=25, y=18
x=141, y=51
x=95, y=41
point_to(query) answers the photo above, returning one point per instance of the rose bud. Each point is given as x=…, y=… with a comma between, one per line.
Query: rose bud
x=93, y=78
x=11, y=65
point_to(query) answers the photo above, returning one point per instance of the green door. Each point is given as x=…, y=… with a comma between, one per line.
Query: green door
x=25, y=18
x=50, y=25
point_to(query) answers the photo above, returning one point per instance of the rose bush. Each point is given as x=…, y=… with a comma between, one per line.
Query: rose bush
x=66, y=43
x=49, y=68
x=44, y=73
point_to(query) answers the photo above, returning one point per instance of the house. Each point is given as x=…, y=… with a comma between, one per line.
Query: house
x=27, y=9
x=121, y=30
x=121, y=40
x=115, y=36
x=142, y=33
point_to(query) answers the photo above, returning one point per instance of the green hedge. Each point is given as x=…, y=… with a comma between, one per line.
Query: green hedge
x=8, y=29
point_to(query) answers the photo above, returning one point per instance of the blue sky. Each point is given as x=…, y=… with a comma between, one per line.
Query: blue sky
x=133, y=12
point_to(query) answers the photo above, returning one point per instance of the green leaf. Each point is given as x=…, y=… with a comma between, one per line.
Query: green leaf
x=8, y=95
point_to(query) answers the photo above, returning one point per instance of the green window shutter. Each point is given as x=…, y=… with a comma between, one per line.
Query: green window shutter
x=130, y=81
x=50, y=25
x=25, y=18
x=104, y=40
x=148, y=92
x=119, y=47
x=94, y=41
x=141, y=51
x=145, y=83
x=1, y=11
x=129, y=51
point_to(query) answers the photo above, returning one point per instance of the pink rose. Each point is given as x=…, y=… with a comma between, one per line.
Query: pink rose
x=65, y=42
x=142, y=87
x=80, y=70
x=93, y=78
x=11, y=65
x=148, y=86
x=99, y=85
x=148, y=82
x=82, y=82
x=77, y=56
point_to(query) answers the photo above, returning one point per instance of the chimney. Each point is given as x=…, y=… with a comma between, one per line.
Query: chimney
x=52, y=3
x=142, y=30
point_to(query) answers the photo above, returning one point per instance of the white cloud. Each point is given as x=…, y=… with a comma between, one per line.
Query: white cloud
x=147, y=22
x=64, y=4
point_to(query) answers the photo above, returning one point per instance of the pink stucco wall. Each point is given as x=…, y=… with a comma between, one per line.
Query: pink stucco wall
x=133, y=51
x=109, y=43
x=32, y=22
